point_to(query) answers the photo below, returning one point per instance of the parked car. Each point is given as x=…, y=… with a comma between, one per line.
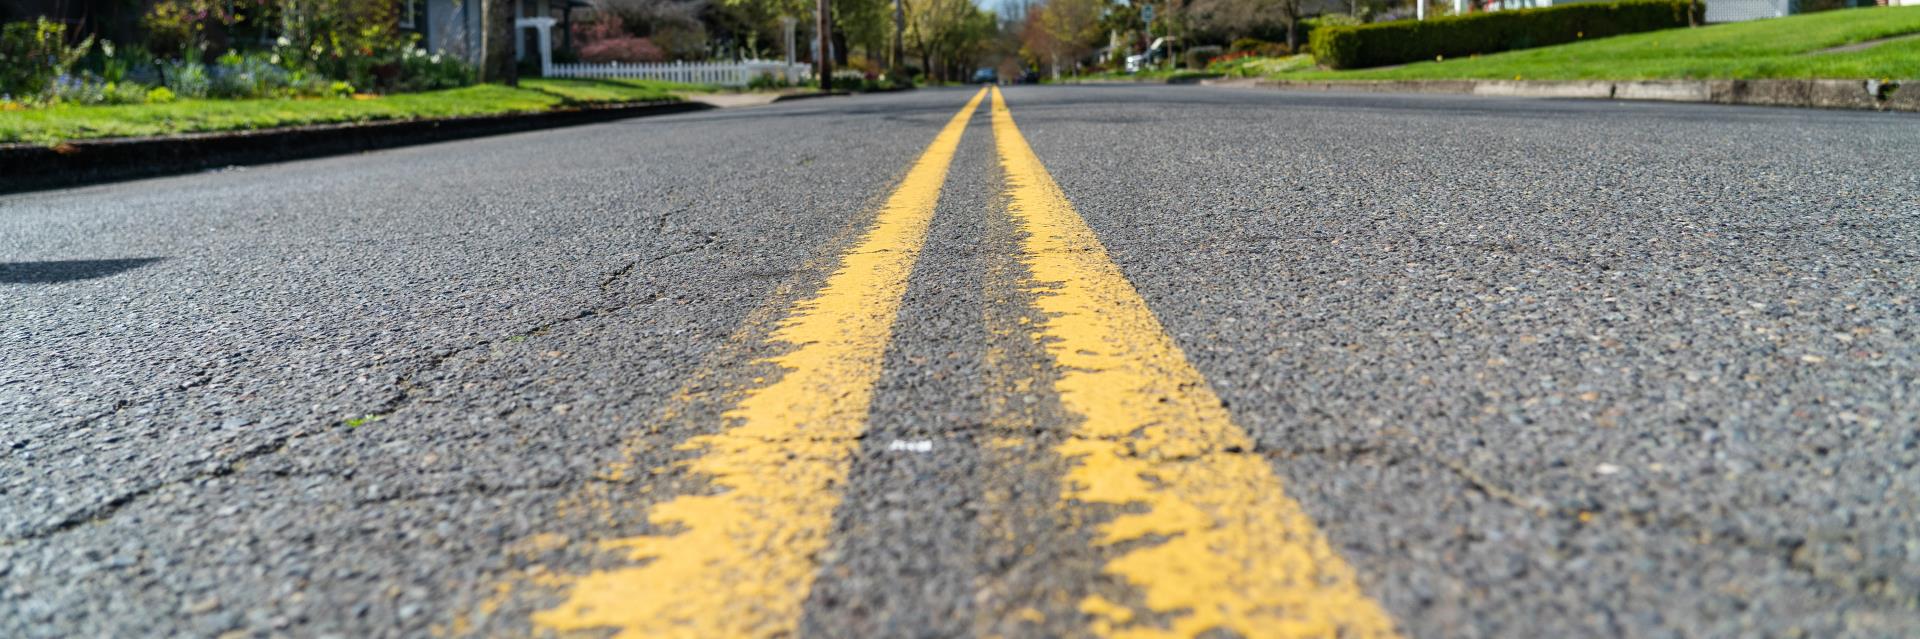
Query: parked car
x=1157, y=52
x=986, y=75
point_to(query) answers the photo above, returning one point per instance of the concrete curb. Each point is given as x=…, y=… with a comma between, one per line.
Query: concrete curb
x=1820, y=94
x=29, y=167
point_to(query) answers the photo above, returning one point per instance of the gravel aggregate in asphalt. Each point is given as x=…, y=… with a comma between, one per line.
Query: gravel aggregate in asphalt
x=1537, y=368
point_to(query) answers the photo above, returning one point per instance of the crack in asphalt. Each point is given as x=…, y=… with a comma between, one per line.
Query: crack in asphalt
x=1490, y=488
x=105, y=510
x=120, y=405
x=607, y=282
x=406, y=394
x=479, y=489
x=707, y=238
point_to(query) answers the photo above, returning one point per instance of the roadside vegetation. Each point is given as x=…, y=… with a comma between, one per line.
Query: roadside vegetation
x=63, y=122
x=196, y=66
x=1403, y=41
x=1386, y=44
x=1790, y=47
x=211, y=65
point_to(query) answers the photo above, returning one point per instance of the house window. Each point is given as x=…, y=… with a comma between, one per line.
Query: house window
x=413, y=14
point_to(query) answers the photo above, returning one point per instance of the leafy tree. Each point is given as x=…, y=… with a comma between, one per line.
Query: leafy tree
x=673, y=25
x=947, y=35
x=865, y=24
x=1062, y=30
x=1233, y=19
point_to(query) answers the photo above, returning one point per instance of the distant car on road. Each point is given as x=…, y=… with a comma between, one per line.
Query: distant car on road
x=986, y=75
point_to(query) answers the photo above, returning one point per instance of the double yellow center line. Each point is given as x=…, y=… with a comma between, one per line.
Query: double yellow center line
x=1209, y=540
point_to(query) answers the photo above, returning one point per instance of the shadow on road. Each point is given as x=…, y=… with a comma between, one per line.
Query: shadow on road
x=56, y=271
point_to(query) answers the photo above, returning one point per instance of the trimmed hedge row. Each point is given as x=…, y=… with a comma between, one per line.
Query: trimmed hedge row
x=1383, y=43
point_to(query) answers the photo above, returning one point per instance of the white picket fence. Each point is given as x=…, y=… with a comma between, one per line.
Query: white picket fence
x=730, y=74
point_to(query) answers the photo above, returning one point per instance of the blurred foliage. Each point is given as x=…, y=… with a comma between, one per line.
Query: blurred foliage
x=34, y=56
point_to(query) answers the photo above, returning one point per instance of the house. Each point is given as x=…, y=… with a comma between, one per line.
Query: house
x=453, y=26
x=1740, y=10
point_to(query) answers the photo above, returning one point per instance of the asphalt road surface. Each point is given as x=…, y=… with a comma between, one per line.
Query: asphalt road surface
x=1089, y=361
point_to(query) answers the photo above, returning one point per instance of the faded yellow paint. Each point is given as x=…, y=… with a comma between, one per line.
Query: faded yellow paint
x=742, y=560
x=1206, y=535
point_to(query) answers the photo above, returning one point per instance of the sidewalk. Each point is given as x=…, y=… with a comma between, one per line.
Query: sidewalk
x=1821, y=94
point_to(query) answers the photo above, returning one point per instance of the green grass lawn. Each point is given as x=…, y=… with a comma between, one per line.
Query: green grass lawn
x=1777, y=48
x=599, y=90
x=74, y=122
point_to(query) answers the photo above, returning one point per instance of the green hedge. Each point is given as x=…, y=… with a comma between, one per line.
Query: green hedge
x=1383, y=43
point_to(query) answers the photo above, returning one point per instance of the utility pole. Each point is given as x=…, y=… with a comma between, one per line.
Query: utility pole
x=825, y=28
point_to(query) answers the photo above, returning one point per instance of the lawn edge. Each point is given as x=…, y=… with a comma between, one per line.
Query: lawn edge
x=34, y=167
x=1867, y=95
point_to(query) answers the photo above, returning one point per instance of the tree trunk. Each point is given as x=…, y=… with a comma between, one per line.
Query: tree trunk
x=840, y=48
x=824, y=31
x=898, y=57
x=496, y=43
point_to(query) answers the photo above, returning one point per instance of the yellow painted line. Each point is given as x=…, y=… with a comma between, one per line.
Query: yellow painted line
x=1206, y=534
x=741, y=561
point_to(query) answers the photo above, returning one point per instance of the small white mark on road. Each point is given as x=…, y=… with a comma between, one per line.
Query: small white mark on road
x=1606, y=469
x=910, y=446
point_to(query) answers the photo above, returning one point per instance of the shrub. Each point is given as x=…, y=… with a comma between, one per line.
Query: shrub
x=1197, y=57
x=422, y=71
x=1258, y=47
x=77, y=90
x=126, y=93
x=248, y=76
x=1247, y=65
x=627, y=49
x=179, y=28
x=119, y=63
x=354, y=40
x=682, y=43
x=159, y=95
x=1229, y=63
x=766, y=81
x=187, y=79
x=1334, y=20
x=35, y=54
x=91, y=89
x=604, y=38
x=1348, y=47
